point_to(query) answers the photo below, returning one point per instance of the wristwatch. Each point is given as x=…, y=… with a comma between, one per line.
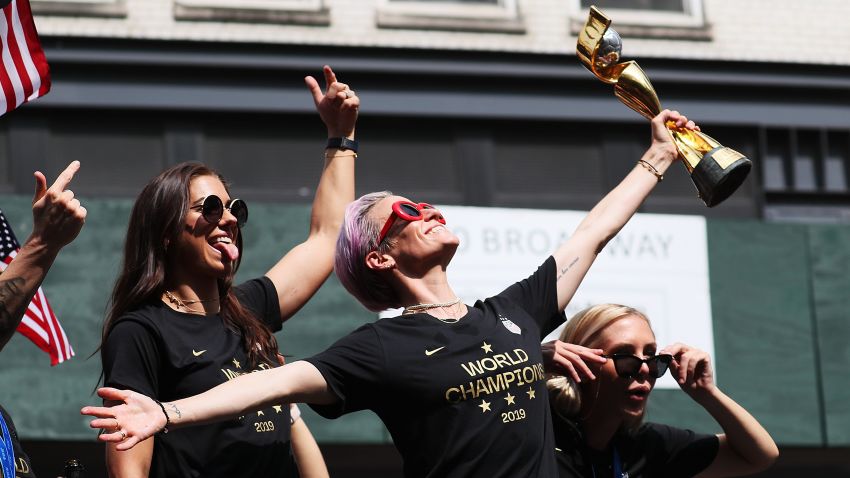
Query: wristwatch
x=342, y=143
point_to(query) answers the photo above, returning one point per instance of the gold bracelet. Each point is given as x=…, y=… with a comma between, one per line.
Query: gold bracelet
x=337, y=155
x=649, y=167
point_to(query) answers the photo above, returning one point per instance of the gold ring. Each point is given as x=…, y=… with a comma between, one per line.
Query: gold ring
x=123, y=435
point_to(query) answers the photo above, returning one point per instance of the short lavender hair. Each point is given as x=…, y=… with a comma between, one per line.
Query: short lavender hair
x=358, y=237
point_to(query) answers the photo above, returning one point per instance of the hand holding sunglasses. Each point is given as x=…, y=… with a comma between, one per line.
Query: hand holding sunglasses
x=691, y=368
x=560, y=357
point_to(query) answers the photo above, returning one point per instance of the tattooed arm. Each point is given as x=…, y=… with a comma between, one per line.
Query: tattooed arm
x=57, y=219
x=605, y=220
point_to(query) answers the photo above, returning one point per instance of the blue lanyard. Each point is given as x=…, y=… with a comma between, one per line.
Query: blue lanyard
x=618, y=466
x=7, y=452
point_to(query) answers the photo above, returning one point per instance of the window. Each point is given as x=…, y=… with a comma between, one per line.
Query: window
x=500, y=16
x=80, y=8
x=665, y=5
x=309, y=12
x=680, y=19
x=806, y=175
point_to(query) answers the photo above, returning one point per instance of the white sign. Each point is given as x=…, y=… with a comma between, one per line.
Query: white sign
x=658, y=264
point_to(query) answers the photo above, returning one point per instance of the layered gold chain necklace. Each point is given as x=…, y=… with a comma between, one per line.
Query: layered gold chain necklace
x=415, y=309
x=185, y=304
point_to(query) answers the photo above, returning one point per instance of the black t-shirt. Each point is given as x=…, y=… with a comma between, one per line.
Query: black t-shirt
x=460, y=399
x=169, y=355
x=23, y=466
x=651, y=451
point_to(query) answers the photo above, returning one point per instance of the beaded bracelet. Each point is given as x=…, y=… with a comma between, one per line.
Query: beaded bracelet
x=167, y=420
x=649, y=167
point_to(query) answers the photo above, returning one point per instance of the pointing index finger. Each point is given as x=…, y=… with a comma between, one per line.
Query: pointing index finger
x=65, y=177
x=330, y=76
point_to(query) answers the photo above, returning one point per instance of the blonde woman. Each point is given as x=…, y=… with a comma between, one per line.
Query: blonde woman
x=599, y=428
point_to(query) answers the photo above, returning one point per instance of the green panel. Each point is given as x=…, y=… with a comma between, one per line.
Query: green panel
x=762, y=312
x=830, y=262
x=675, y=408
x=45, y=401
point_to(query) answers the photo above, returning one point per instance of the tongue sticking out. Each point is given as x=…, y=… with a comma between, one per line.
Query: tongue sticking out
x=228, y=250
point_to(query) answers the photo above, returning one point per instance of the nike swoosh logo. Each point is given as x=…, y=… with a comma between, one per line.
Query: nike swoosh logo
x=432, y=352
x=197, y=354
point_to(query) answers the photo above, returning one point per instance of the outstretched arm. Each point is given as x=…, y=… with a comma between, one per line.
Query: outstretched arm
x=307, y=454
x=57, y=219
x=745, y=446
x=300, y=273
x=576, y=255
x=136, y=417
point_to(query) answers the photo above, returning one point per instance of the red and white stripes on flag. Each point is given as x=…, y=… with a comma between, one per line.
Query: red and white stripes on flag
x=25, y=75
x=39, y=323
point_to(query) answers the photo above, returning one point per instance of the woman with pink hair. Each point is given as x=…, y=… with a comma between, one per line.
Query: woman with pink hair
x=461, y=388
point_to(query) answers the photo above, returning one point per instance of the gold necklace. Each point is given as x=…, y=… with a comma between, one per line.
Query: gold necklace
x=414, y=309
x=184, y=304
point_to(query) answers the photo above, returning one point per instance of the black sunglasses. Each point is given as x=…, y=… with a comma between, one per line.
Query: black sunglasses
x=212, y=209
x=628, y=365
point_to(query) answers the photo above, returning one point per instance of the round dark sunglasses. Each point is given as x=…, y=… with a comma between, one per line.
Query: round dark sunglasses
x=408, y=211
x=628, y=365
x=212, y=209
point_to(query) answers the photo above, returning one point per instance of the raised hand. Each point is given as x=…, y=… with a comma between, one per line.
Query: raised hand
x=660, y=134
x=133, y=417
x=338, y=106
x=561, y=357
x=57, y=215
x=691, y=368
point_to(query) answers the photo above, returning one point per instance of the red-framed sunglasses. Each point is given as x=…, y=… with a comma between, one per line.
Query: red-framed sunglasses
x=408, y=211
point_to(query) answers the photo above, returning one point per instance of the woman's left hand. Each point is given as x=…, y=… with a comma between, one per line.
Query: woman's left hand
x=570, y=359
x=691, y=368
x=338, y=105
x=132, y=418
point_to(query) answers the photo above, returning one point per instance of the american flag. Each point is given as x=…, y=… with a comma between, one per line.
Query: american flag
x=25, y=75
x=39, y=323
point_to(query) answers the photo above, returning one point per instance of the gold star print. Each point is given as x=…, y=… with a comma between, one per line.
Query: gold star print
x=236, y=363
x=510, y=399
x=485, y=406
x=487, y=348
x=530, y=393
x=260, y=413
x=278, y=408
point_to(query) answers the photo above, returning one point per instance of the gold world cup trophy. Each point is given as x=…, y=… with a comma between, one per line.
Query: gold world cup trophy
x=716, y=170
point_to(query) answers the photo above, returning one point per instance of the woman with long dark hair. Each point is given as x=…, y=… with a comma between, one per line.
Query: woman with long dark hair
x=176, y=325
x=599, y=427
x=460, y=388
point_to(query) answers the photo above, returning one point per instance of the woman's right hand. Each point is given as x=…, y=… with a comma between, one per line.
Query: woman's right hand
x=571, y=359
x=134, y=417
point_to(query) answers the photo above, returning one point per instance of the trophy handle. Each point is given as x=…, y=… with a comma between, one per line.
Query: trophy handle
x=635, y=91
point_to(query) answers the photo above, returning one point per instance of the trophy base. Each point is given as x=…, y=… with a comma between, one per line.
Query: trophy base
x=719, y=173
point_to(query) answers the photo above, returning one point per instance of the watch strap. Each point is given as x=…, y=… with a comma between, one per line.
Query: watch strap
x=342, y=143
